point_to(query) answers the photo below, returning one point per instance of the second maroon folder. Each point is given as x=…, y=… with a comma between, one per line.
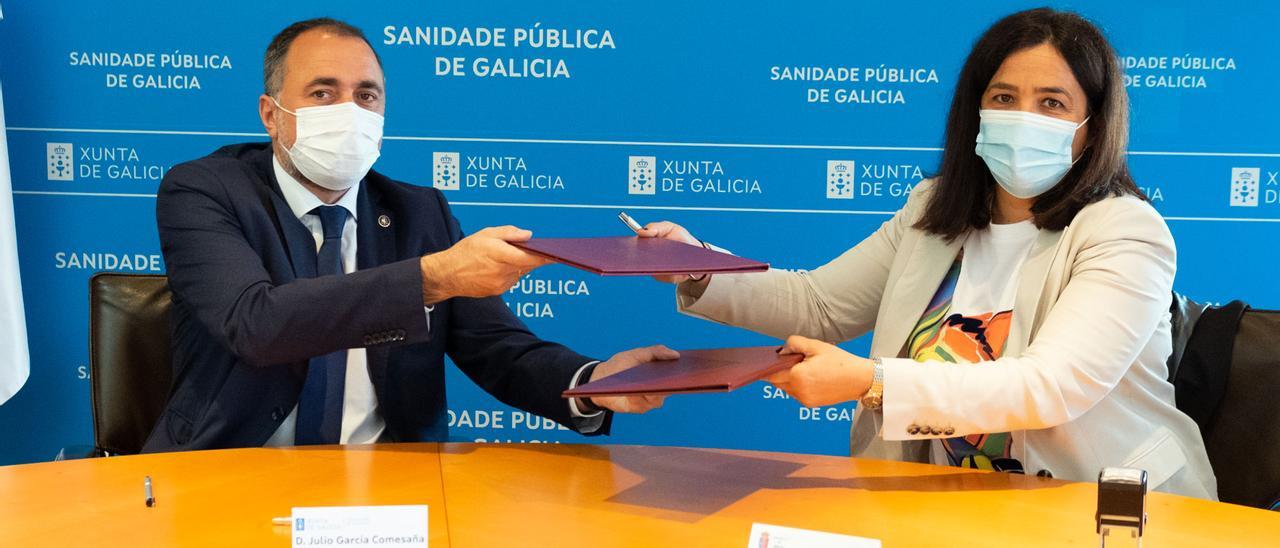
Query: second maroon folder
x=718, y=370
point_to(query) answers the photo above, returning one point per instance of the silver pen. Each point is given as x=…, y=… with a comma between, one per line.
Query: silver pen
x=146, y=487
x=631, y=223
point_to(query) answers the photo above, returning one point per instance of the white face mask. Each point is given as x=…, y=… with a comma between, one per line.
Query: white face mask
x=335, y=145
x=1027, y=153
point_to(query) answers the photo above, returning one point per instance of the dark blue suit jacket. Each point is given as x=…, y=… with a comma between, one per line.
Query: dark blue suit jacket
x=248, y=313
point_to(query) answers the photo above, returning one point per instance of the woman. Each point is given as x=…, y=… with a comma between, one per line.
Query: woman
x=1019, y=299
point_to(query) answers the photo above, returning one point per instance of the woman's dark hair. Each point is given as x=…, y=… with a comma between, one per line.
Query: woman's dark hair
x=964, y=192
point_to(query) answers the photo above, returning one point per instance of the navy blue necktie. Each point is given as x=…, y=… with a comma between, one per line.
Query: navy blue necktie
x=320, y=404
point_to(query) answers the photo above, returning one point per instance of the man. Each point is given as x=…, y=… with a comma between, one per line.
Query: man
x=314, y=300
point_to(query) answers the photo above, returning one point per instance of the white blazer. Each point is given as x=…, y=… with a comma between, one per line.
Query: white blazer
x=1081, y=384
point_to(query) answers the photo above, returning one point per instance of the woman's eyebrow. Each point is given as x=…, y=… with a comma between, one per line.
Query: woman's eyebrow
x=1053, y=90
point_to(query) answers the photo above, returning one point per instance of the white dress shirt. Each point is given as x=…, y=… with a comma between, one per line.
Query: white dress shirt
x=361, y=422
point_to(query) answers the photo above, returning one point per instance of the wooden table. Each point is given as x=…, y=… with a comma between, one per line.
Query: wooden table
x=561, y=495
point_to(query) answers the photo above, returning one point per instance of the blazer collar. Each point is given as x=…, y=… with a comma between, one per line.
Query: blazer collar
x=376, y=237
x=295, y=237
x=1026, y=304
x=929, y=260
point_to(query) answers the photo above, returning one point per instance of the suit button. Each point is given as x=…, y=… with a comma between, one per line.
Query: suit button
x=1045, y=474
x=948, y=431
x=277, y=414
x=913, y=429
x=368, y=341
x=934, y=430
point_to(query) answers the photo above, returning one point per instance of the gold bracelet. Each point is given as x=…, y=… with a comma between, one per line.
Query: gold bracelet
x=874, y=398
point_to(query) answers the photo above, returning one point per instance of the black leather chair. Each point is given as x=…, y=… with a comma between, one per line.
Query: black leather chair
x=1183, y=314
x=129, y=358
x=1228, y=380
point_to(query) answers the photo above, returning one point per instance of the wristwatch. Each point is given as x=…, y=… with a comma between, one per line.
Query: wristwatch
x=874, y=398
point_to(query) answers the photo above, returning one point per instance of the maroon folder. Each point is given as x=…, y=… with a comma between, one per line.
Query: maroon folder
x=635, y=256
x=721, y=370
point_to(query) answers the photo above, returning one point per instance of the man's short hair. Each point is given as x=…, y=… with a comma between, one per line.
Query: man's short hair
x=273, y=61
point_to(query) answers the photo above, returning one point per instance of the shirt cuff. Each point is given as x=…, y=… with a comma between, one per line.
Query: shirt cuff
x=574, y=411
x=427, y=310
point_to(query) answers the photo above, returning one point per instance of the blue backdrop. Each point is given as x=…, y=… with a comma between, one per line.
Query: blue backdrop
x=785, y=131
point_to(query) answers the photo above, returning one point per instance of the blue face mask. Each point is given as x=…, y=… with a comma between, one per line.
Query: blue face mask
x=1027, y=153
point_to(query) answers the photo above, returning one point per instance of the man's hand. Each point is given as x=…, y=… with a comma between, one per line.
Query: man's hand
x=670, y=231
x=827, y=376
x=623, y=361
x=481, y=265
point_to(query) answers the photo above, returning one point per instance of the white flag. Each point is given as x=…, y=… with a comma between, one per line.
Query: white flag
x=14, y=360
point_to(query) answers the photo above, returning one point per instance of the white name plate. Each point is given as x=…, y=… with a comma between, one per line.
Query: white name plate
x=359, y=526
x=775, y=536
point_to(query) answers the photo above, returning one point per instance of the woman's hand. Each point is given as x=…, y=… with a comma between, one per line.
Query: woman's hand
x=827, y=376
x=670, y=231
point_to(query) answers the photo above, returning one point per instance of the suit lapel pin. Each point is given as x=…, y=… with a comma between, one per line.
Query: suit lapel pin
x=384, y=221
